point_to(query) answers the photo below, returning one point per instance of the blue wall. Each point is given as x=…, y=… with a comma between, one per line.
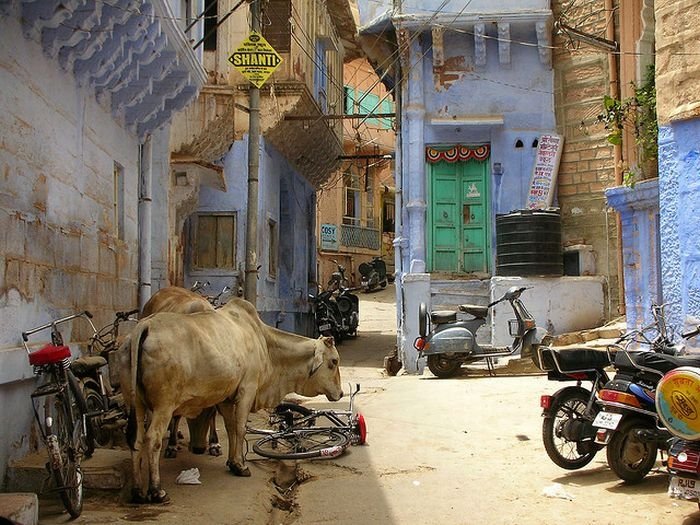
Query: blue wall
x=285, y=198
x=679, y=187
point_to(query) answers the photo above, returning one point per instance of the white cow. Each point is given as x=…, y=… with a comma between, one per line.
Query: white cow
x=180, y=364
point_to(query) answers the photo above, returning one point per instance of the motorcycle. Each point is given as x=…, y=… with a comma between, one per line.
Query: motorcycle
x=373, y=274
x=568, y=414
x=678, y=405
x=629, y=422
x=336, y=309
x=452, y=342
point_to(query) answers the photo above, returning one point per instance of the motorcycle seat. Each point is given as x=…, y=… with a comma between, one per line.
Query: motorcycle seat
x=443, y=316
x=478, y=311
x=574, y=359
x=662, y=363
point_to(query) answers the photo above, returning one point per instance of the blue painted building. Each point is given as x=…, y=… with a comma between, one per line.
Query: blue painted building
x=474, y=88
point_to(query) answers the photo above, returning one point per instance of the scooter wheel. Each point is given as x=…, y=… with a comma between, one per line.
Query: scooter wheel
x=443, y=367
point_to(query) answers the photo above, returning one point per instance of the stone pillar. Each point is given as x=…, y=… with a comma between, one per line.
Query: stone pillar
x=416, y=289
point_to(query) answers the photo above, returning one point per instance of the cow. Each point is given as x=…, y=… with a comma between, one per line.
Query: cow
x=180, y=364
x=180, y=300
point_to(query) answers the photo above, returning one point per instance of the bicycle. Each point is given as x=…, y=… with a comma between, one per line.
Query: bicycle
x=62, y=428
x=296, y=435
x=106, y=412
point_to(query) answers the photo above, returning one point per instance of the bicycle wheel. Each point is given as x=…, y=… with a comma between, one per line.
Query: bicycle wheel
x=303, y=444
x=66, y=442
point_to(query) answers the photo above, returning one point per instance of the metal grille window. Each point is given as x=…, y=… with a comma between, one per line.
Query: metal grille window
x=215, y=241
x=277, y=28
x=353, y=195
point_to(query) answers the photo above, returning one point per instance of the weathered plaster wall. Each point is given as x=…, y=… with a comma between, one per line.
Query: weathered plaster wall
x=285, y=198
x=678, y=110
x=59, y=252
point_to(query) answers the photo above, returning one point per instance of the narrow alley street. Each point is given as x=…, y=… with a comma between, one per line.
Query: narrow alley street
x=460, y=451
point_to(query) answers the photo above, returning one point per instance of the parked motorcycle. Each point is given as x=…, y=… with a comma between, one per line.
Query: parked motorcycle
x=678, y=406
x=452, y=342
x=628, y=422
x=373, y=274
x=567, y=428
x=336, y=310
x=572, y=416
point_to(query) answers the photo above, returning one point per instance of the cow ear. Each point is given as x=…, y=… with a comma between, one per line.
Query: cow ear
x=317, y=360
x=328, y=341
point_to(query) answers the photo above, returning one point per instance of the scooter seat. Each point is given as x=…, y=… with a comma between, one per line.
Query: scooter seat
x=443, y=316
x=575, y=359
x=478, y=311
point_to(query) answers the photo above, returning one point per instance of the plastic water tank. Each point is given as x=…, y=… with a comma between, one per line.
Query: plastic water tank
x=528, y=243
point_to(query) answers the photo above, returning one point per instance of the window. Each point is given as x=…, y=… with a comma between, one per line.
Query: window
x=185, y=14
x=353, y=194
x=388, y=217
x=215, y=241
x=348, y=100
x=276, y=26
x=211, y=20
x=369, y=104
x=369, y=202
x=321, y=76
x=272, y=245
x=119, y=201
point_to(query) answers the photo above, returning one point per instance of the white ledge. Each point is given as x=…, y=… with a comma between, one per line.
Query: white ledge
x=473, y=120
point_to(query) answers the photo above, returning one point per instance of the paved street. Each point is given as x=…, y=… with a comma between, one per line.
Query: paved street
x=466, y=450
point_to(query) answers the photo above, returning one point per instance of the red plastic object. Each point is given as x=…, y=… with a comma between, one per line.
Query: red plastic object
x=362, y=427
x=49, y=354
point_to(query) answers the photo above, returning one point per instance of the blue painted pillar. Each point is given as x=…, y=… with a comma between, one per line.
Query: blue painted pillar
x=679, y=187
x=639, y=212
x=413, y=147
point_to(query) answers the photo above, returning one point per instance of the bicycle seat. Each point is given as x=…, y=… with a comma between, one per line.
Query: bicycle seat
x=443, y=316
x=83, y=365
x=49, y=354
x=478, y=311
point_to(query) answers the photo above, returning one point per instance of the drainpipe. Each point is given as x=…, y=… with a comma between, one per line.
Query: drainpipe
x=617, y=153
x=145, y=206
x=251, y=231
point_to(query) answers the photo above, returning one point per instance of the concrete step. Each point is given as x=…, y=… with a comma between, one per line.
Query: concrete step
x=20, y=507
x=107, y=469
x=598, y=337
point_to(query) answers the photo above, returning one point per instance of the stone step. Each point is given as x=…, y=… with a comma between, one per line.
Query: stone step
x=107, y=469
x=597, y=337
x=20, y=507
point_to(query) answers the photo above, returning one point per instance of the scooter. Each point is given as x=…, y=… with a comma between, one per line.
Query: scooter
x=452, y=342
x=373, y=274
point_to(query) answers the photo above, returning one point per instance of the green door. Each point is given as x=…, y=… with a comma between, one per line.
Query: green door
x=458, y=233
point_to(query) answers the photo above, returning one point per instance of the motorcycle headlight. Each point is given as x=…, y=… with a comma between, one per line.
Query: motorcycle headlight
x=344, y=306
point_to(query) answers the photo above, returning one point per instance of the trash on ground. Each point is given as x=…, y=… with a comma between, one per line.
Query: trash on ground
x=556, y=490
x=188, y=477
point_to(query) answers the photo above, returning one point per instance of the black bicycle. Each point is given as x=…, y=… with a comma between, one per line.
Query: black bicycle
x=59, y=409
x=296, y=433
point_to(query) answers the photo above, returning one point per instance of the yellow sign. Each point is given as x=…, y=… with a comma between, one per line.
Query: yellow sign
x=256, y=59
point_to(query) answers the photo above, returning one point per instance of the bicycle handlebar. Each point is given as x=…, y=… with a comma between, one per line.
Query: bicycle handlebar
x=124, y=316
x=52, y=324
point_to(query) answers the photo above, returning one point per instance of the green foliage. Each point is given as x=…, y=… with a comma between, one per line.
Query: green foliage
x=637, y=113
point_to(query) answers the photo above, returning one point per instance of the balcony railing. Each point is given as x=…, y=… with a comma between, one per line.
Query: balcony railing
x=358, y=237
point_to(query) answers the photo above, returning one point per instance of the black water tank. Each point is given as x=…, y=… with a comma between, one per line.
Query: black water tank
x=528, y=242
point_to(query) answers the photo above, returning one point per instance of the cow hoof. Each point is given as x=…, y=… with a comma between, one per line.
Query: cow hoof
x=171, y=452
x=215, y=450
x=137, y=497
x=158, y=496
x=238, y=471
x=198, y=450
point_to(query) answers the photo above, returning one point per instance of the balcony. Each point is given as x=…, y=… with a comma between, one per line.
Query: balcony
x=359, y=237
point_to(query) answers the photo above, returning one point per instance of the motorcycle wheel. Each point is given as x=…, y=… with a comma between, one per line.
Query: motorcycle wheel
x=628, y=457
x=443, y=367
x=569, y=404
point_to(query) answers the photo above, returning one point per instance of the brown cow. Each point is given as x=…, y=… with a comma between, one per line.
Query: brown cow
x=183, y=301
x=177, y=364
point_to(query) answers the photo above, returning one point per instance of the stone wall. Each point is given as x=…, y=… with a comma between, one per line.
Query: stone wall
x=59, y=248
x=587, y=163
x=677, y=60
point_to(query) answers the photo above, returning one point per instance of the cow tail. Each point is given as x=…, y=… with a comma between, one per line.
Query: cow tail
x=136, y=342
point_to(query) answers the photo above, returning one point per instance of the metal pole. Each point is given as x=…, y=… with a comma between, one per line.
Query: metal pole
x=144, y=211
x=251, y=232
